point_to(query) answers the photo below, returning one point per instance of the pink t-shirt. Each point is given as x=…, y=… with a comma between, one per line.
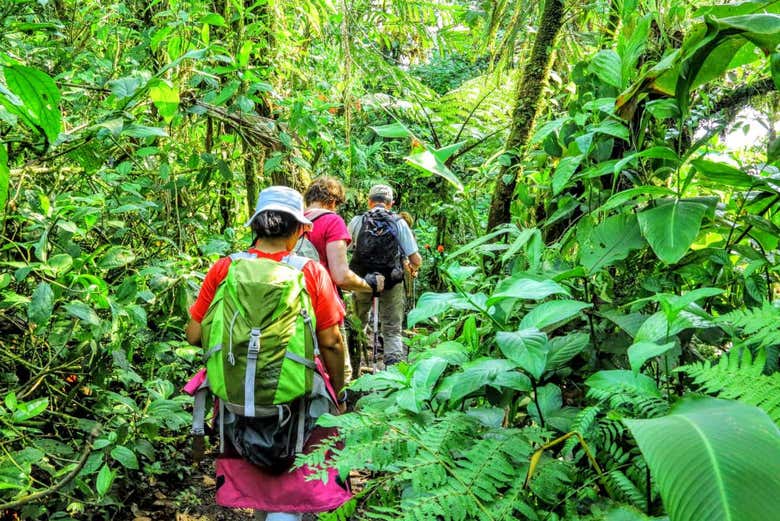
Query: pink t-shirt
x=329, y=227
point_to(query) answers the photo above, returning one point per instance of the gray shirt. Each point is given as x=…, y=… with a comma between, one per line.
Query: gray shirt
x=405, y=236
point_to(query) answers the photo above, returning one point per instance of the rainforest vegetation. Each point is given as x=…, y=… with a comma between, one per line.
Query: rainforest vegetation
x=594, y=335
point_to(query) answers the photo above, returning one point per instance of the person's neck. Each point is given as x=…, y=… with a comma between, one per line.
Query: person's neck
x=316, y=205
x=272, y=245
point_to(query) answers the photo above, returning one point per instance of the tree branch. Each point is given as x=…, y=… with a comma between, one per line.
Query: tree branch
x=12, y=505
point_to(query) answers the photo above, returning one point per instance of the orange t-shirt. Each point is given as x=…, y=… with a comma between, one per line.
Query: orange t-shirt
x=328, y=310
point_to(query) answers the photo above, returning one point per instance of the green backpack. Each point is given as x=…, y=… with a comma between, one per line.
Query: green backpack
x=260, y=342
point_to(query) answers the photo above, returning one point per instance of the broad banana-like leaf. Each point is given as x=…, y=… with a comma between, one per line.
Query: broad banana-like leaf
x=713, y=460
x=671, y=228
x=608, y=242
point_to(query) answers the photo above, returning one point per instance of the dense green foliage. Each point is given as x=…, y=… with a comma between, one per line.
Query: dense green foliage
x=639, y=265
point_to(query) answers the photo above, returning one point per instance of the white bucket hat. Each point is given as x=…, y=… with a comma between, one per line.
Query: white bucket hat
x=280, y=199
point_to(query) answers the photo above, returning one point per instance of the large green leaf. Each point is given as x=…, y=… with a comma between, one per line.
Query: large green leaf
x=610, y=241
x=552, y=313
x=527, y=348
x=606, y=64
x=641, y=352
x=614, y=380
x=125, y=456
x=429, y=162
x=37, y=99
x=425, y=374
x=529, y=289
x=723, y=174
x=483, y=372
x=561, y=349
x=671, y=228
x=430, y=305
x=165, y=97
x=393, y=130
x=563, y=172
x=713, y=460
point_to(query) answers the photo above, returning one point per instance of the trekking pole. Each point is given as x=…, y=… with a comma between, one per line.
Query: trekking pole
x=375, y=327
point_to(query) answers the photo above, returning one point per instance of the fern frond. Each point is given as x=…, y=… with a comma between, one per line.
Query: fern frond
x=550, y=480
x=621, y=488
x=757, y=326
x=739, y=378
x=512, y=505
x=585, y=423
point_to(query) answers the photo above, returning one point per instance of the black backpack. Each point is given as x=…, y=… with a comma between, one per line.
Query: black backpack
x=377, y=248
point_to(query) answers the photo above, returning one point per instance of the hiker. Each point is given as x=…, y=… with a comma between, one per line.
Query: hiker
x=383, y=242
x=277, y=224
x=330, y=237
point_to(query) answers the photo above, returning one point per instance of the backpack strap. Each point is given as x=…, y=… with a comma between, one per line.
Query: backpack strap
x=316, y=213
x=242, y=255
x=296, y=261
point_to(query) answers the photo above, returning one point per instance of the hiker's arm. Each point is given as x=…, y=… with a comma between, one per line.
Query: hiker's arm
x=193, y=332
x=332, y=352
x=344, y=277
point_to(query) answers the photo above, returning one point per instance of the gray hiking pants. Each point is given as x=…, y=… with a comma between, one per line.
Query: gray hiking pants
x=391, y=315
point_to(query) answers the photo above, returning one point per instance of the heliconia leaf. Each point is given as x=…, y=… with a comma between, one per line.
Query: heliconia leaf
x=430, y=305
x=529, y=289
x=427, y=161
x=714, y=460
x=671, y=228
x=723, y=174
x=609, y=241
x=554, y=312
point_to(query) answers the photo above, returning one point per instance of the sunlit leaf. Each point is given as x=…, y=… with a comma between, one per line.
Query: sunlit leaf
x=165, y=97
x=723, y=463
x=39, y=97
x=671, y=228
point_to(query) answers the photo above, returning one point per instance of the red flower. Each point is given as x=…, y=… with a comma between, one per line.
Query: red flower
x=440, y=248
x=427, y=246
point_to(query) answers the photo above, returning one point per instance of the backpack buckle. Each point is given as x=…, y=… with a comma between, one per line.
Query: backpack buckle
x=254, y=344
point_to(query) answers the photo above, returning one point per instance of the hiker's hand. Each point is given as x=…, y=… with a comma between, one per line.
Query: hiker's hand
x=376, y=281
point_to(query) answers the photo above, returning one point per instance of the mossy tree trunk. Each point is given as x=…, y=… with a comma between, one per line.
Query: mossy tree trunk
x=529, y=94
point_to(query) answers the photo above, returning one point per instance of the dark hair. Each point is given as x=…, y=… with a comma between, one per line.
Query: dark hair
x=270, y=224
x=325, y=190
x=381, y=199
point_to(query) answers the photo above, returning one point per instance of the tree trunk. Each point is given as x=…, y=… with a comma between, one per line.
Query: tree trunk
x=529, y=91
